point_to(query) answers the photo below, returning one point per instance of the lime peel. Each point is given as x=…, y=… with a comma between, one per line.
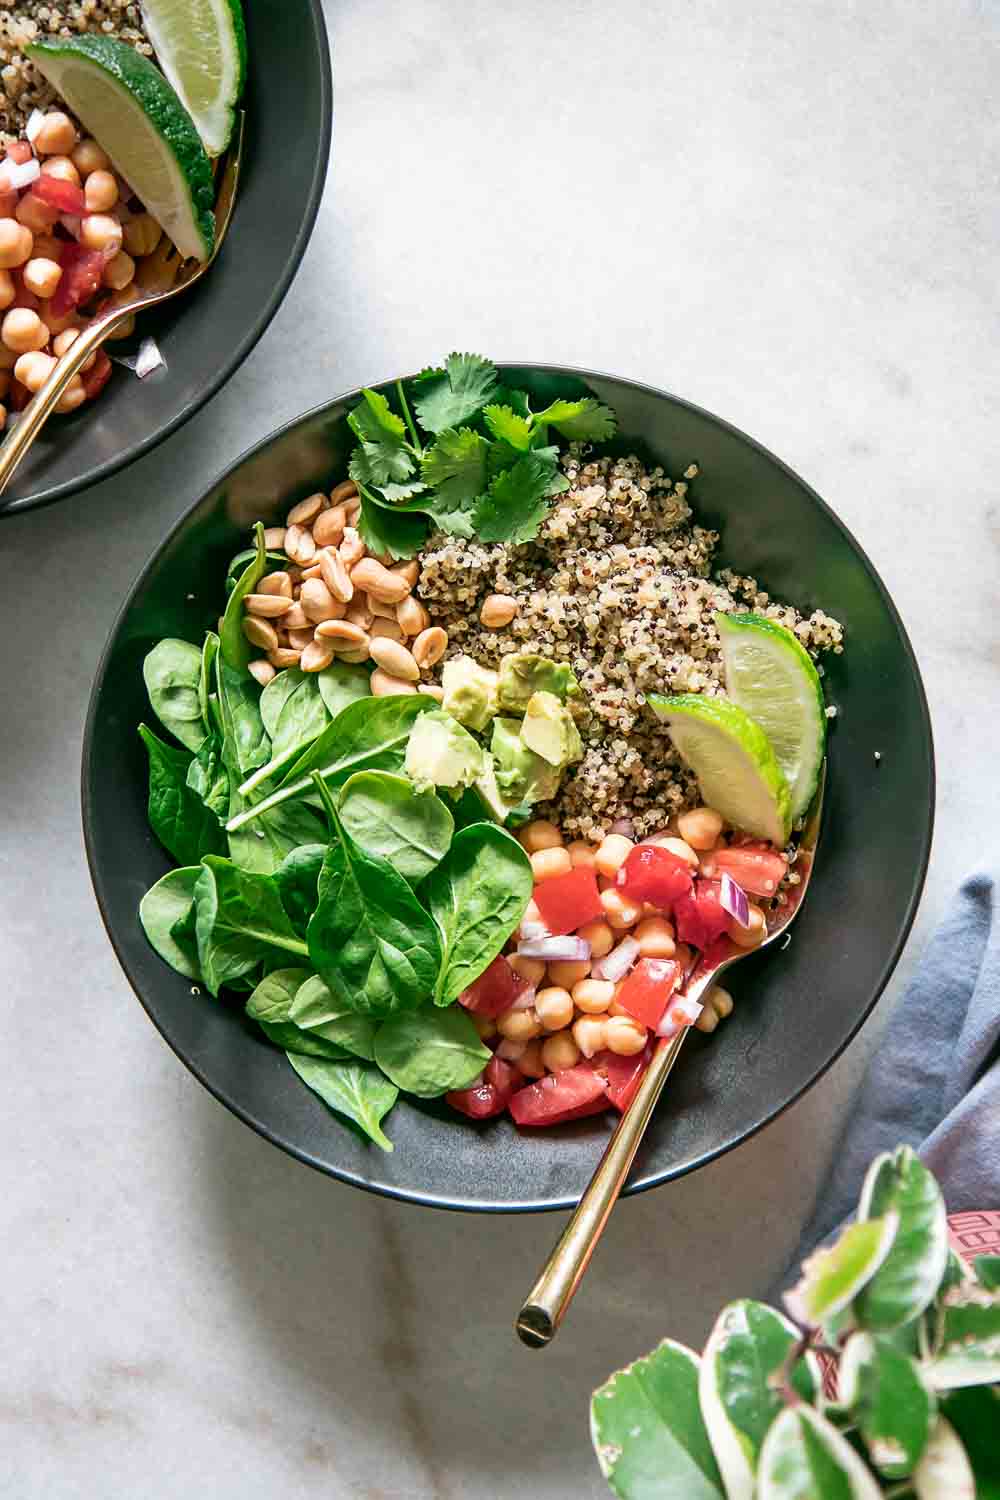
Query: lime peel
x=201, y=46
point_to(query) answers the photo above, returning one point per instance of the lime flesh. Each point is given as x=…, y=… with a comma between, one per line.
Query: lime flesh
x=201, y=47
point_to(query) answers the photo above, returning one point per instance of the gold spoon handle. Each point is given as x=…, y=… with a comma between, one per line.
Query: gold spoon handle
x=563, y=1271
x=40, y=407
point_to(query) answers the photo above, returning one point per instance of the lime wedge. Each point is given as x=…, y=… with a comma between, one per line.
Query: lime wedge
x=130, y=108
x=733, y=761
x=201, y=45
x=771, y=675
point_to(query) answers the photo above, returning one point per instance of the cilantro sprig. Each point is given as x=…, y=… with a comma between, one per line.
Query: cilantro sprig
x=470, y=458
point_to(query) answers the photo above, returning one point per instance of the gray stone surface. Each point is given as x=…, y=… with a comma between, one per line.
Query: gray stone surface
x=784, y=212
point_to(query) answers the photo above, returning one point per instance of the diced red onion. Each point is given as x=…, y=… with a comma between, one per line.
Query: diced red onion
x=21, y=174
x=525, y=999
x=35, y=122
x=148, y=359
x=530, y=930
x=680, y=1012
x=616, y=964
x=733, y=898
x=72, y=223
x=555, y=949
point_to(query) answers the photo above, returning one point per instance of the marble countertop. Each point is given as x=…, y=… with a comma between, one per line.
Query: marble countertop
x=786, y=213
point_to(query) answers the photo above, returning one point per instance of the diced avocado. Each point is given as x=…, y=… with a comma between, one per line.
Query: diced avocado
x=522, y=776
x=440, y=752
x=549, y=730
x=523, y=673
x=489, y=793
x=470, y=692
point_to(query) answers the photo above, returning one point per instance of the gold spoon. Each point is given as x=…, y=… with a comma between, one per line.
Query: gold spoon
x=165, y=277
x=552, y=1293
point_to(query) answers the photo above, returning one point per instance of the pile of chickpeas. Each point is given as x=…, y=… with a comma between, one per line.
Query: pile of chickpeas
x=336, y=602
x=31, y=335
x=574, y=1015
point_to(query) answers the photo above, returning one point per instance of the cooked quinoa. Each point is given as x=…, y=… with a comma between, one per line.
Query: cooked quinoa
x=618, y=583
x=24, y=88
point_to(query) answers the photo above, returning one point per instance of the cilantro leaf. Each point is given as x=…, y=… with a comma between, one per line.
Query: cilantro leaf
x=455, y=468
x=384, y=454
x=509, y=427
x=580, y=421
x=559, y=482
x=453, y=396
x=515, y=506
x=395, y=493
x=384, y=530
x=516, y=400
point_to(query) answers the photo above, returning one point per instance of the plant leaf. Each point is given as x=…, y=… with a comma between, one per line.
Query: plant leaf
x=387, y=818
x=301, y=718
x=889, y=1401
x=746, y=1349
x=234, y=647
x=430, y=1052
x=455, y=470
x=342, y=683
x=509, y=427
x=968, y=1350
x=208, y=778
x=314, y=1009
x=648, y=1432
x=944, y=1472
x=477, y=896
x=907, y=1281
x=172, y=672
x=185, y=827
x=832, y=1278
x=163, y=907
x=974, y=1414
x=270, y=1006
x=385, y=455
x=357, y=1090
x=987, y=1269
x=245, y=744
x=240, y=923
x=804, y=1457
x=515, y=504
x=581, y=421
x=453, y=396
x=297, y=879
x=386, y=531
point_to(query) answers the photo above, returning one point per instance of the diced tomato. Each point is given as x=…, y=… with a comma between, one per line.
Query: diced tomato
x=18, y=396
x=624, y=1074
x=495, y=990
x=700, y=917
x=558, y=1097
x=569, y=901
x=647, y=990
x=503, y=1075
x=480, y=1103
x=8, y=203
x=56, y=192
x=653, y=874
x=82, y=273
x=24, y=298
x=97, y=377
x=758, y=868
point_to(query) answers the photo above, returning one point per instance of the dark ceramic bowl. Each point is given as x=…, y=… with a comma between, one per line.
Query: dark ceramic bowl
x=207, y=333
x=796, y=1010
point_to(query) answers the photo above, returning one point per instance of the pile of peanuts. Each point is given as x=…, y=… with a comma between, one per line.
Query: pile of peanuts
x=336, y=602
x=574, y=1015
x=30, y=257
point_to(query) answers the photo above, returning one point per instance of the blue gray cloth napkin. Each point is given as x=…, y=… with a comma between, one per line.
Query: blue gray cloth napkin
x=934, y=1083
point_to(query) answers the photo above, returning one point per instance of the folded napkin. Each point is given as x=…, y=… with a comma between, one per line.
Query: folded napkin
x=934, y=1083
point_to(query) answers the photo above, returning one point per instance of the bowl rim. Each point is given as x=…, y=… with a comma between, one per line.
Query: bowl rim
x=255, y=329
x=645, y=1181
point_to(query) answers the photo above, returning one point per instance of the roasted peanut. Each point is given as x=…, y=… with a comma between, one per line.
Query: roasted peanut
x=394, y=658
x=316, y=657
x=296, y=618
x=358, y=612
x=267, y=606
x=299, y=639
x=283, y=657
x=306, y=510
x=275, y=583
x=328, y=527
x=342, y=632
x=498, y=610
x=274, y=538
x=387, y=630
x=383, y=611
x=411, y=616
x=318, y=602
x=299, y=545
x=335, y=575
x=346, y=490
x=352, y=549
x=261, y=671
x=429, y=646
x=383, y=684
x=378, y=582
x=260, y=633
x=408, y=570
x=432, y=690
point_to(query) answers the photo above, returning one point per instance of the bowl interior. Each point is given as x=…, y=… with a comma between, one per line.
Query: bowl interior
x=795, y=1009
x=206, y=333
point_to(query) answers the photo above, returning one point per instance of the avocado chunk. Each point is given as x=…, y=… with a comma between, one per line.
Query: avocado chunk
x=470, y=692
x=521, y=775
x=489, y=793
x=549, y=730
x=523, y=673
x=440, y=752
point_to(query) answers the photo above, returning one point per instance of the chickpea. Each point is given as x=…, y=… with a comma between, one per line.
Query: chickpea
x=57, y=324
x=530, y=1062
x=142, y=235
x=34, y=215
x=720, y=1000
x=56, y=135
x=560, y=1052
x=621, y=912
x=23, y=330
x=568, y=972
x=600, y=937
x=612, y=854
x=676, y=846
x=750, y=936
x=540, y=835
x=532, y=970
x=554, y=1007
x=549, y=862
x=47, y=247
x=88, y=157
x=588, y=1033
x=510, y=1051
x=593, y=996
x=101, y=232
x=100, y=191
x=73, y=396
x=62, y=168
x=531, y=913
x=655, y=937
x=33, y=369
x=582, y=855
x=119, y=271
x=16, y=243
x=700, y=827
x=519, y=1025
x=42, y=276
x=8, y=291
x=486, y=1027
x=3, y=417
x=624, y=1036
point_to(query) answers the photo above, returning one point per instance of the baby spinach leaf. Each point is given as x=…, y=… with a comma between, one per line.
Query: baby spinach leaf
x=269, y=1006
x=297, y=879
x=369, y=937
x=264, y=845
x=301, y=717
x=343, y=683
x=240, y=923
x=208, y=778
x=233, y=644
x=185, y=827
x=274, y=696
x=245, y=744
x=276, y=562
x=172, y=673
x=358, y=1090
x=206, y=675
x=477, y=896
x=453, y=396
x=429, y=1052
x=161, y=909
x=315, y=1010
x=387, y=818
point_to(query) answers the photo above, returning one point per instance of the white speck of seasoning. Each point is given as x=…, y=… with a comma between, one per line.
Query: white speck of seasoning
x=832, y=711
x=189, y=597
x=878, y=756
x=786, y=940
x=195, y=990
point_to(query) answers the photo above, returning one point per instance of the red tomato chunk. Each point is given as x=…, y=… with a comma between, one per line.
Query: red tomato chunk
x=624, y=1074
x=700, y=917
x=56, y=193
x=83, y=271
x=647, y=990
x=559, y=1097
x=491, y=1097
x=569, y=901
x=755, y=867
x=97, y=377
x=655, y=875
x=494, y=991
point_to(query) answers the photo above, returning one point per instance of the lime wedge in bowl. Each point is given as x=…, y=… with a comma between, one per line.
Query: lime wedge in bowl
x=131, y=110
x=732, y=758
x=771, y=675
x=201, y=45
